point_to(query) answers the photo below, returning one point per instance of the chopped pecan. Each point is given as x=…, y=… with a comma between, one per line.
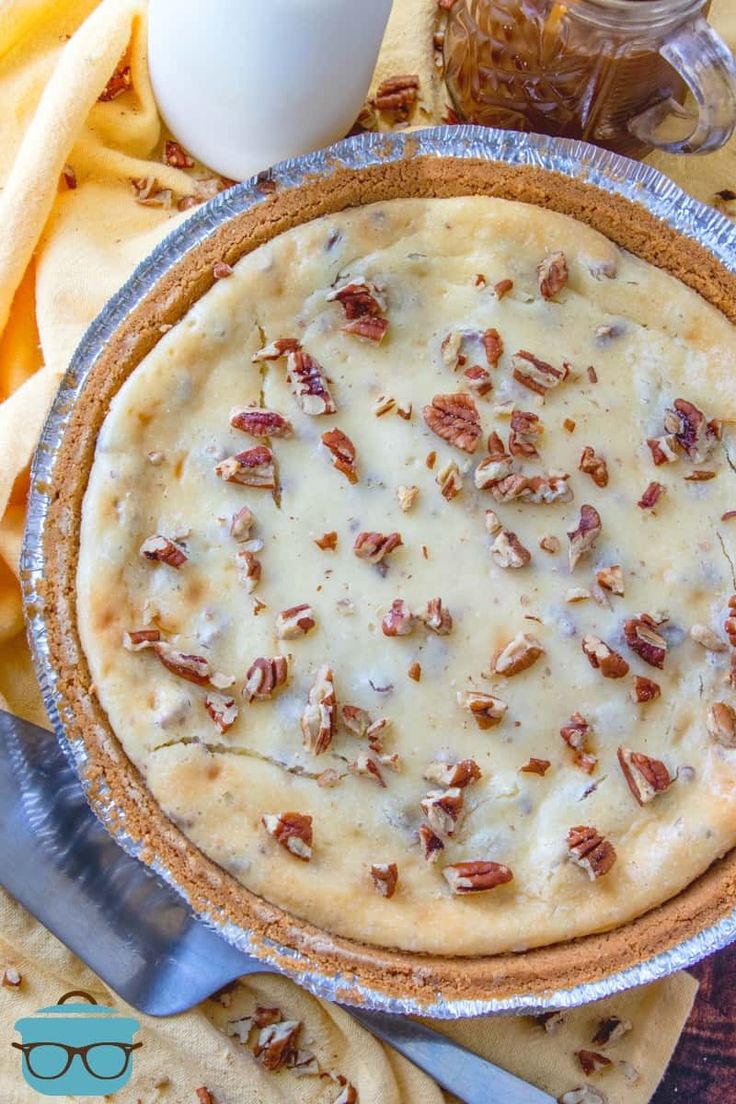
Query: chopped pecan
x=309, y=384
x=342, y=451
x=204, y=1096
x=663, y=449
x=492, y=522
x=592, y=374
x=327, y=542
x=721, y=724
x=591, y=1061
x=374, y=547
x=458, y=775
x=516, y=656
x=249, y=569
x=176, y=156
x=550, y=544
x=502, y=288
x=430, y=843
x=700, y=476
x=69, y=177
x=455, y=419
x=11, y=978
x=436, y=618
x=264, y=1017
x=536, y=766
x=370, y=329
x=264, y=676
x=545, y=489
x=443, y=809
x=476, y=877
x=526, y=429
x=594, y=466
x=591, y=851
x=508, y=551
x=576, y=734
x=367, y=766
x=292, y=830
x=277, y=1043
x=644, y=690
x=642, y=637
x=193, y=668
x=492, y=346
x=259, y=422
x=164, y=550
x=478, y=380
x=645, y=777
x=487, y=709
x=583, y=538
x=221, y=270
x=708, y=639
x=242, y=523
x=569, y=425
x=295, y=621
x=360, y=298
x=603, y=658
x=694, y=433
x=404, y=409
x=148, y=193
x=552, y=275
x=651, y=496
x=139, y=639
x=397, y=94
x=610, y=1030
x=253, y=468
x=415, y=672
x=222, y=709
x=385, y=878
x=449, y=480
x=318, y=720
x=349, y=1095
x=611, y=578
x=493, y=470
x=536, y=374
x=119, y=82
x=550, y=1022
x=407, y=496
x=399, y=620
x=281, y=347
x=356, y=720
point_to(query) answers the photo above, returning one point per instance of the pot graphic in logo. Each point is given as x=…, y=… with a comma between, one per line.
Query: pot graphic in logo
x=77, y=1049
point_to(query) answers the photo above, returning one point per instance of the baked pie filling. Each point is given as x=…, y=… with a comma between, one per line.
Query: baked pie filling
x=406, y=576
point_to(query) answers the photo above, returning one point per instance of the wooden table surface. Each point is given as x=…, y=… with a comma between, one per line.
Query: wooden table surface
x=703, y=1067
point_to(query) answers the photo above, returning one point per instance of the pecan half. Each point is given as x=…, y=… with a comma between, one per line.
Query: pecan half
x=642, y=637
x=399, y=620
x=264, y=676
x=526, y=429
x=458, y=775
x=693, y=432
x=367, y=766
x=449, y=480
x=436, y=618
x=476, y=877
x=222, y=709
x=610, y=1030
x=242, y=523
x=516, y=656
x=119, y=82
x=249, y=569
x=281, y=347
x=492, y=346
x=370, y=329
x=591, y=1061
x=603, y=658
x=276, y=1044
x=508, y=551
x=295, y=621
x=319, y=719
x=663, y=449
x=644, y=690
x=397, y=94
x=253, y=468
x=721, y=724
x=583, y=538
x=594, y=466
x=374, y=547
x=611, y=579
x=139, y=639
x=645, y=777
x=430, y=843
x=342, y=452
x=536, y=374
x=443, y=809
x=360, y=298
x=292, y=830
x=552, y=275
x=455, y=419
x=576, y=734
x=536, y=766
x=591, y=851
x=651, y=496
x=164, y=551
x=385, y=878
x=308, y=383
x=487, y=709
x=259, y=422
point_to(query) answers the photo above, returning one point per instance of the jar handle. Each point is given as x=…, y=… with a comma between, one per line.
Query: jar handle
x=77, y=993
x=706, y=64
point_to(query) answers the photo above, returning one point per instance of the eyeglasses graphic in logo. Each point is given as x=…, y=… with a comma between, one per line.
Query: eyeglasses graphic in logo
x=77, y=1049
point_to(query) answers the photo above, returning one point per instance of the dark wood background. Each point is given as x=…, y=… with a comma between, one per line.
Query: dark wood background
x=703, y=1067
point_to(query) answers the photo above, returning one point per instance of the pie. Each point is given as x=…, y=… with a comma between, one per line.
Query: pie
x=404, y=573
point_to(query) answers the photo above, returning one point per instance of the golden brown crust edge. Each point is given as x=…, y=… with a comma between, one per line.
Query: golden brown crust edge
x=209, y=888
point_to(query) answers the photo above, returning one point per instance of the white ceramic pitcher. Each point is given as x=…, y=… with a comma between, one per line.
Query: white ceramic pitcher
x=244, y=83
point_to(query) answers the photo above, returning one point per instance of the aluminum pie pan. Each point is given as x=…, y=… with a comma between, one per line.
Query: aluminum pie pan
x=578, y=160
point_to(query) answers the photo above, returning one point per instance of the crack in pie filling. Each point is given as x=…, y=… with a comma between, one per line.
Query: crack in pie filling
x=406, y=574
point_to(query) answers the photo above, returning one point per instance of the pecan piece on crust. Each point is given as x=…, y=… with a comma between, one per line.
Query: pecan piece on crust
x=476, y=877
x=318, y=720
x=508, y=551
x=536, y=374
x=457, y=775
x=651, y=496
x=193, y=668
x=281, y=347
x=645, y=777
x=276, y=1044
x=249, y=569
x=487, y=709
x=295, y=621
x=663, y=449
x=610, y=1030
x=430, y=843
x=721, y=724
x=552, y=274
x=292, y=830
x=436, y=618
x=591, y=851
x=385, y=878
x=526, y=429
x=576, y=734
x=374, y=547
x=367, y=766
x=455, y=419
x=603, y=658
x=693, y=432
x=644, y=690
x=308, y=383
x=536, y=766
x=139, y=639
x=397, y=94
x=259, y=422
x=264, y=676
x=611, y=578
x=360, y=298
x=591, y=1061
x=449, y=480
x=594, y=466
x=252, y=468
x=583, y=538
x=163, y=550
x=492, y=346
x=642, y=637
x=399, y=620
x=222, y=709
x=516, y=656
x=443, y=809
x=342, y=452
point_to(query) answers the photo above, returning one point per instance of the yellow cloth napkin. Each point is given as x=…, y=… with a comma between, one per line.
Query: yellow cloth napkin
x=70, y=232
